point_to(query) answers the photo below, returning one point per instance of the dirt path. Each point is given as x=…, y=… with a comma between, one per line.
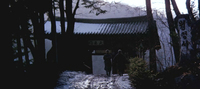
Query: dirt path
x=80, y=80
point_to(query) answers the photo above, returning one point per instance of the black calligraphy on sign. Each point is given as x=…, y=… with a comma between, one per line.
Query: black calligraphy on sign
x=183, y=33
x=185, y=36
x=96, y=42
x=182, y=24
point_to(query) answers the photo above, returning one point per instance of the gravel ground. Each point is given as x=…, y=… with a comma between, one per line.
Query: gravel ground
x=80, y=80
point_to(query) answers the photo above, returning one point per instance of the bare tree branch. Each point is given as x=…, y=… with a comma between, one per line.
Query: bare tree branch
x=190, y=11
x=95, y=5
x=76, y=7
x=175, y=7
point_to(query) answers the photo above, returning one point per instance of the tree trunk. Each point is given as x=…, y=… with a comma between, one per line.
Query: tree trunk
x=19, y=50
x=25, y=36
x=70, y=18
x=7, y=44
x=189, y=9
x=70, y=35
x=26, y=52
x=62, y=16
x=31, y=47
x=199, y=7
x=175, y=7
x=41, y=39
x=53, y=33
x=152, y=43
x=7, y=60
x=173, y=34
x=35, y=23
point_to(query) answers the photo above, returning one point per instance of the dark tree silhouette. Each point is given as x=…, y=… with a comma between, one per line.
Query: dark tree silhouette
x=173, y=34
x=26, y=13
x=199, y=7
x=53, y=31
x=152, y=42
x=62, y=16
x=189, y=9
x=176, y=10
x=70, y=16
x=7, y=61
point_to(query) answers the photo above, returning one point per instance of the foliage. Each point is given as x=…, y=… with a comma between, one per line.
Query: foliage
x=174, y=77
x=95, y=5
x=180, y=77
x=139, y=74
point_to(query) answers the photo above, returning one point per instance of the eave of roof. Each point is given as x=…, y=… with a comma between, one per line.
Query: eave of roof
x=113, y=20
x=109, y=26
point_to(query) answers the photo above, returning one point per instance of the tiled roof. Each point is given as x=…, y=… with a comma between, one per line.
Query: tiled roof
x=131, y=25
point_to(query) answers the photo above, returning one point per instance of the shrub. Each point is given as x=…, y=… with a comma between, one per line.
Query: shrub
x=174, y=77
x=139, y=74
x=180, y=77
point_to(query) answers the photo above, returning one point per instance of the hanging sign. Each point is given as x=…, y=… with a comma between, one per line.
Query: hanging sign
x=96, y=42
x=185, y=36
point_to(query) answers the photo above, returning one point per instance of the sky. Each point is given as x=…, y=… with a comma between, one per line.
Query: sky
x=156, y=4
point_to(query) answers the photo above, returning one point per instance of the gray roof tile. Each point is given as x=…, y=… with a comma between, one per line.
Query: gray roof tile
x=131, y=25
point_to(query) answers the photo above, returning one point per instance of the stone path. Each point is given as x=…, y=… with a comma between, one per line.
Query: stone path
x=80, y=80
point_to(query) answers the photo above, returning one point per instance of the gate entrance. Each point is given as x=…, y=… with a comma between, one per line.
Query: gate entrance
x=98, y=64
